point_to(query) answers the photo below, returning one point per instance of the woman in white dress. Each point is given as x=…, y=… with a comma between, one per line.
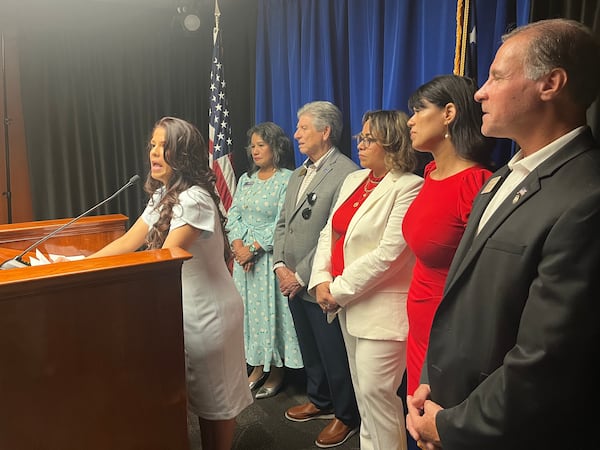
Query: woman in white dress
x=183, y=212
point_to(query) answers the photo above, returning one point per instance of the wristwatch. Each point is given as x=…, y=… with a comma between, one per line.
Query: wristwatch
x=253, y=249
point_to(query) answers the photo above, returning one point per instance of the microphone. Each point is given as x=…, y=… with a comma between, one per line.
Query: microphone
x=17, y=261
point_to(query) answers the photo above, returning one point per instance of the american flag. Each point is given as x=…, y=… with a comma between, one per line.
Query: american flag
x=219, y=127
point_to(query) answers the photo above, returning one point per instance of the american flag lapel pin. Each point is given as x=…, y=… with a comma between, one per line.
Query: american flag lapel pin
x=519, y=194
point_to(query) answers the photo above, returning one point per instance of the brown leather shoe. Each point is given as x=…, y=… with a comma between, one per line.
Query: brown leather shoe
x=335, y=433
x=307, y=411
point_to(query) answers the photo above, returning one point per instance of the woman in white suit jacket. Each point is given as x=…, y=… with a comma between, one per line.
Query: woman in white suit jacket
x=362, y=270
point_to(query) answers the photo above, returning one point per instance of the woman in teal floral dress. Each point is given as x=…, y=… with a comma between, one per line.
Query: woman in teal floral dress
x=269, y=334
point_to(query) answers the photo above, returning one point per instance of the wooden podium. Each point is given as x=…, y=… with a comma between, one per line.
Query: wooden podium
x=91, y=351
x=83, y=237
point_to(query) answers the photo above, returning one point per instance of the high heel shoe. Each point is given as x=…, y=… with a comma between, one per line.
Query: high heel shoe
x=254, y=384
x=268, y=391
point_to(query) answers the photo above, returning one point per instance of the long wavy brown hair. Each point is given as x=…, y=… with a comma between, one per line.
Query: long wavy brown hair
x=187, y=154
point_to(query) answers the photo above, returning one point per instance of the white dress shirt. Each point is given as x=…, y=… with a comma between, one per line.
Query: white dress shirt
x=521, y=167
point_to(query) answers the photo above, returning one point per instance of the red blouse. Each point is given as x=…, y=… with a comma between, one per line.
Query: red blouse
x=341, y=220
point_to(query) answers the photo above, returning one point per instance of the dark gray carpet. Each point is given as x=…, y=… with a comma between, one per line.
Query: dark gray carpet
x=262, y=426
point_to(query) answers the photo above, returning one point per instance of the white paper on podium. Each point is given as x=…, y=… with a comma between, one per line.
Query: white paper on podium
x=40, y=259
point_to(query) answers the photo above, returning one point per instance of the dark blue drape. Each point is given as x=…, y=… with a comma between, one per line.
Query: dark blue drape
x=493, y=19
x=362, y=54
x=358, y=54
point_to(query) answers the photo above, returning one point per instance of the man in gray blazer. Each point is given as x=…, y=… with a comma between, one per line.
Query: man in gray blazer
x=311, y=193
x=515, y=341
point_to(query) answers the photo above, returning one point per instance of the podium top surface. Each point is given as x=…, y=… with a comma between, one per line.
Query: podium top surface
x=119, y=265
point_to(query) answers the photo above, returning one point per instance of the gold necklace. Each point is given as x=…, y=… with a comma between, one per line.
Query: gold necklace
x=366, y=190
x=373, y=182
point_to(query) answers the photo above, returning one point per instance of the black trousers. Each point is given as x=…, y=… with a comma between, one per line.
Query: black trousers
x=328, y=381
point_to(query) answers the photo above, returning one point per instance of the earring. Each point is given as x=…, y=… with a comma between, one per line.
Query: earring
x=446, y=134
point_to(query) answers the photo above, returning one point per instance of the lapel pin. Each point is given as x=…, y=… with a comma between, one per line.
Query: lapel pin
x=519, y=194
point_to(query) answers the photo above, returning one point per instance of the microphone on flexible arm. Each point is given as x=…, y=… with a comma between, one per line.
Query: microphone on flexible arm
x=17, y=261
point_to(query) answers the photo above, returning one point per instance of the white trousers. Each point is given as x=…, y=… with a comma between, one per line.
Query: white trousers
x=377, y=367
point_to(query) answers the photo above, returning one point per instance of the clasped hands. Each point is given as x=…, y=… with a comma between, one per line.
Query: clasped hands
x=420, y=420
x=324, y=297
x=242, y=254
x=288, y=283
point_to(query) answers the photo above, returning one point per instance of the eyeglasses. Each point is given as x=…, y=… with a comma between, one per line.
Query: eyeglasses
x=362, y=139
x=311, y=198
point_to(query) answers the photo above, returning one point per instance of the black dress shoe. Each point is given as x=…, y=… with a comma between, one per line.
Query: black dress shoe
x=255, y=384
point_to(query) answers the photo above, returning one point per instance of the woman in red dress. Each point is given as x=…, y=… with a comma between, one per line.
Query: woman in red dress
x=446, y=122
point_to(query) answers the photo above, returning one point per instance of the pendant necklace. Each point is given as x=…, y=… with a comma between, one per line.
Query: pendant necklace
x=367, y=190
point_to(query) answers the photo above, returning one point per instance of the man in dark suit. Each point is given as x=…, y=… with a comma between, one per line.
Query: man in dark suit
x=311, y=193
x=514, y=342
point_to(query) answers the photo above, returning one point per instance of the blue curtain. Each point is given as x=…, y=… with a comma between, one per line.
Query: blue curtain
x=358, y=54
x=493, y=19
x=362, y=54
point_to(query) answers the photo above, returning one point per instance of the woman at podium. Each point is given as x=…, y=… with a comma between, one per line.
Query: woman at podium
x=183, y=211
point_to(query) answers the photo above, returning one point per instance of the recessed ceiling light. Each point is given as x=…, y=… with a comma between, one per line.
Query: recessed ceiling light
x=191, y=22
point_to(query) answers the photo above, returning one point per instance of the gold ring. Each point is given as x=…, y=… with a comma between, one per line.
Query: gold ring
x=419, y=444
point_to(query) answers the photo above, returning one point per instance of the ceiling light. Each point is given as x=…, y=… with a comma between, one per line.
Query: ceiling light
x=191, y=22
